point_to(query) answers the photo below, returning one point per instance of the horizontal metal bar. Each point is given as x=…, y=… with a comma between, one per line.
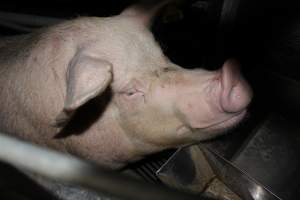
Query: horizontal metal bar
x=29, y=20
x=15, y=26
x=66, y=168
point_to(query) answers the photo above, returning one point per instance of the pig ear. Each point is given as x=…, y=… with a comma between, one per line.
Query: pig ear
x=145, y=11
x=87, y=77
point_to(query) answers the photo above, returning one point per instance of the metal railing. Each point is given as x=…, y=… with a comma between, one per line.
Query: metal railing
x=69, y=169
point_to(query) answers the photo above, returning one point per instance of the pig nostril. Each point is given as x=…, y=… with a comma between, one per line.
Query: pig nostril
x=236, y=93
x=237, y=99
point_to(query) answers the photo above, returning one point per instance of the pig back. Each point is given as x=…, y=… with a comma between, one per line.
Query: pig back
x=31, y=67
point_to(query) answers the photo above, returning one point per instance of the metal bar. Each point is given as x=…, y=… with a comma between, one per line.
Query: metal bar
x=67, y=168
x=237, y=180
x=26, y=19
x=15, y=26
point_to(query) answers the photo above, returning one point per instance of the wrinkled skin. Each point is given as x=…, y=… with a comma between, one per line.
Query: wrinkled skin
x=112, y=77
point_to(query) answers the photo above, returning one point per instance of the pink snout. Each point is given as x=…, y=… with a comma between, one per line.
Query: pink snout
x=236, y=93
x=220, y=107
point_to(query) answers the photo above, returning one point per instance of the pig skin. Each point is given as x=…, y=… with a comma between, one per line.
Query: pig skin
x=111, y=77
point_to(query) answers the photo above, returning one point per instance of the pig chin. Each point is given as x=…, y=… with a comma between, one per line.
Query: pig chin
x=223, y=126
x=221, y=123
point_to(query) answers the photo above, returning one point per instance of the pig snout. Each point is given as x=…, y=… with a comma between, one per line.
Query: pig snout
x=221, y=104
x=236, y=93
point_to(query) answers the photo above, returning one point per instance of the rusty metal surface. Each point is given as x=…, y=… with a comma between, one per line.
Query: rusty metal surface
x=187, y=169
x=198, y=169
x=237, y=180
x=217, y=190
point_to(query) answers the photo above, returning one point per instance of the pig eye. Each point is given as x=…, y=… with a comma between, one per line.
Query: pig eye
x=168, y=69
x=133, y=93
x=130, y=93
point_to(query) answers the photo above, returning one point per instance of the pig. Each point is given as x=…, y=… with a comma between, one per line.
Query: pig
x=101, y=88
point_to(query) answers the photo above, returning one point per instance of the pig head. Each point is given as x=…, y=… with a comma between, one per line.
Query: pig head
x=113, y=70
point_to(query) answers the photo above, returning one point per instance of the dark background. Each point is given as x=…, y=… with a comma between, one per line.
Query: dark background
x=264, y=35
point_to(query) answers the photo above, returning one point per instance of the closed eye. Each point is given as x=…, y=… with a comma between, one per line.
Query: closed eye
x=168, y=69
x=132, y=93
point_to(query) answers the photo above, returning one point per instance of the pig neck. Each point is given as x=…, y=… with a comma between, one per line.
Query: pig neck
x=104, y=142
x=29, y=114
x=24, y=84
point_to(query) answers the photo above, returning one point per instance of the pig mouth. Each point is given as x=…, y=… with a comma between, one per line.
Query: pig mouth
x=226, y=124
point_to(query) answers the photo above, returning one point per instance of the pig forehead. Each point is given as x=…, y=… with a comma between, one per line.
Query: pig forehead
x=123, y=75
x=131, y=48
x=129, y=40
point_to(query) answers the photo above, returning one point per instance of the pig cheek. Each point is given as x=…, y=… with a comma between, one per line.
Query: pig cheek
x=134, y=119
x=196, y=114
x=147, y=122
x=130, y=108
x=200, y=109
x=130, y=104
